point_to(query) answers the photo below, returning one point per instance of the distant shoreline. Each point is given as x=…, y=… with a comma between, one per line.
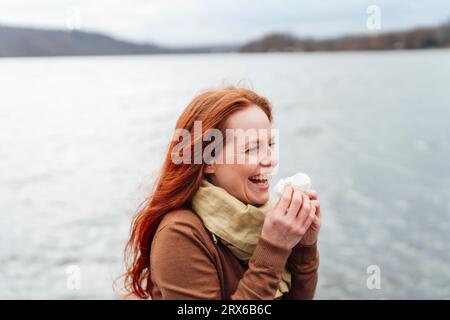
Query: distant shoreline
x=21, y=42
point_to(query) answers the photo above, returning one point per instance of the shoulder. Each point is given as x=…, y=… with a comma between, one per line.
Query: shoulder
x=183, y=223
x=181, y=218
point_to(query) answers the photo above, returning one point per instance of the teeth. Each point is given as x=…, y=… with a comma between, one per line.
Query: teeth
x=260, y=177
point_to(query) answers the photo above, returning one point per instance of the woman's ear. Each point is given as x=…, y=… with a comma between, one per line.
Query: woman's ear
x=210, y=168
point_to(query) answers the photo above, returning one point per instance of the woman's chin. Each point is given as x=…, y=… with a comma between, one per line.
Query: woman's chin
x=257, y=194
x=261, y=200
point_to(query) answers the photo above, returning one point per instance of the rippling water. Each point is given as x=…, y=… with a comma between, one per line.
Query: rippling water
x=81, y=138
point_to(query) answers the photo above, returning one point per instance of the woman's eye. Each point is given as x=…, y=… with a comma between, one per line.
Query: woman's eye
x=252, y=149
x=255, y=148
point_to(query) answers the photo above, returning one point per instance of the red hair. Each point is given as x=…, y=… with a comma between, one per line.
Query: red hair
x=177, y=183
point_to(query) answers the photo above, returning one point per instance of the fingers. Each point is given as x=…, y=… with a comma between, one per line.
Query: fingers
x=285, y=200
x=316, y=203
x=296, y=202
x=312, y=194
x=317, y=222
x=317, y=218
x=305, y=209
x=311, y=217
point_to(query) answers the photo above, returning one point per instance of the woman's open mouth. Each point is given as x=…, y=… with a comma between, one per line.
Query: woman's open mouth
x=260, y=181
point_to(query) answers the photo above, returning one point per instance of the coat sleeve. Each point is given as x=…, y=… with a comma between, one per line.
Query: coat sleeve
x=303, y=265
x=183, y=267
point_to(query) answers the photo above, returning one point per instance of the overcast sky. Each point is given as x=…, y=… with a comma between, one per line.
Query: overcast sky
x=198, y=22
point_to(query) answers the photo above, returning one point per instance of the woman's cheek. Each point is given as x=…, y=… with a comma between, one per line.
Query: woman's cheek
x=252, y=159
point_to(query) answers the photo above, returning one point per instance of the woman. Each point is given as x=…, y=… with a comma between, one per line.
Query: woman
x=209, y=229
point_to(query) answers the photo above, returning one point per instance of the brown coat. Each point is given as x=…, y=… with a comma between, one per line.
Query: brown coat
x=186, y=263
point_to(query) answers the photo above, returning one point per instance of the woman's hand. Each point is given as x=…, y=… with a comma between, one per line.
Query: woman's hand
x=311, y=235
x=290, y=219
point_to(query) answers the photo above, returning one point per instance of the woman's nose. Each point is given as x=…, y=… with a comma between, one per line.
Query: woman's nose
x=269, y=158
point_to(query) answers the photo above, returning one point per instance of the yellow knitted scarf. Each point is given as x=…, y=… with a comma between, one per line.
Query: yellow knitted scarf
x=237, y=225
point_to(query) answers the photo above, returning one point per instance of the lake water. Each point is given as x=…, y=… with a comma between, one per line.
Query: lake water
x=81, y=140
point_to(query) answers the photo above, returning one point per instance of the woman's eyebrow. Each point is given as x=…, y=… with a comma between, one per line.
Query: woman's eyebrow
x=248, y=143
x=257, y=141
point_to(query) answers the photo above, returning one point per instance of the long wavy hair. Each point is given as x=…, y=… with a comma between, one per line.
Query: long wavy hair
x=177, y=183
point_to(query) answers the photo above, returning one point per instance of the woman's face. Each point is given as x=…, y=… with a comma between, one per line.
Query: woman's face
x=252, y=156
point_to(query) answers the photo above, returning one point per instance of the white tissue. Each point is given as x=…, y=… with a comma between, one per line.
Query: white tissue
x=301, y=180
